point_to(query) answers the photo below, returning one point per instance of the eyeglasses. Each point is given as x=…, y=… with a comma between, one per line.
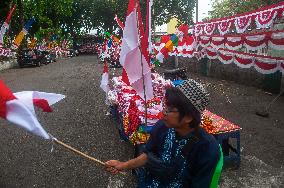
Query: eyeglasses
x=166, y=111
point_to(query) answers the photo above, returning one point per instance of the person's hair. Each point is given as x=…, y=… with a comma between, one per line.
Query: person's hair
x=174, y=98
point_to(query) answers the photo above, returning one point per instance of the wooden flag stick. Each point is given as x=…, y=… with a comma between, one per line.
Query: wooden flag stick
x=82, y=154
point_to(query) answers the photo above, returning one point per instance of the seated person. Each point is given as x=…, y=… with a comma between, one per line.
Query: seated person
x=179, y=152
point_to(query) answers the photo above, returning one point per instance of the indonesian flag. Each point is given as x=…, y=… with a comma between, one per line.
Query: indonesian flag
x=5, y=25
x=131, y=57
x=104, y=82
x=18, y=108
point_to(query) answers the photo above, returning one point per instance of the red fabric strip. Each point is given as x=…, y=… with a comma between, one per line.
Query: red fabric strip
x=225, y=57
x=5, y=96
x=265, y=66
x=243, y=60
x=255, y=43
x=43, y=104
x=233, y=44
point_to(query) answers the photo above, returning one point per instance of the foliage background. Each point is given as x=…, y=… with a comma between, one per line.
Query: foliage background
x=78, y=17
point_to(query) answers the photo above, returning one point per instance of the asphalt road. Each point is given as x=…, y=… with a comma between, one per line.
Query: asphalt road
x=80, y=120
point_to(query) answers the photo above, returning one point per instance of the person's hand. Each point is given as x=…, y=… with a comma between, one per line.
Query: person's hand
x=114, y=166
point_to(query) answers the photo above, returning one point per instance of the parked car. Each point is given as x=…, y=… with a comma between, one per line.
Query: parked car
x=28, y=57
x=48, y=57
x=73, y=53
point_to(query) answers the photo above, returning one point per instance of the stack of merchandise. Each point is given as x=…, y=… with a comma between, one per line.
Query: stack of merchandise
x=131, y=108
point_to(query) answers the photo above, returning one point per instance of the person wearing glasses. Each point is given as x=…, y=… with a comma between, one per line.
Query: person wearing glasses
x=179, y=153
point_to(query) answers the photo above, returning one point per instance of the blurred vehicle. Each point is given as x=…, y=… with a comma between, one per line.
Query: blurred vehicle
x=73, y=53
x=48, y=57
x=28, y=57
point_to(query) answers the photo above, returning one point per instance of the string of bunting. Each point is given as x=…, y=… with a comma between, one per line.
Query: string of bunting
x=255, y=41
x=263, y=18
x=263, y=64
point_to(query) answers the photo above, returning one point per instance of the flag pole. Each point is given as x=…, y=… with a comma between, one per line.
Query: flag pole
x=82, y=154
x=141, y=59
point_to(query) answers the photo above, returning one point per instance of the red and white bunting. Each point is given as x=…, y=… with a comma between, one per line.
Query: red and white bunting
x=277, y=41
x=198, y=30
x=266, y=65
x=255, y=42
x=263, y=64
x=234, y=43
x=217, y=42
x=272, y=39
x=204, y=41
x=209, y=28
x=244, y=61
x=242, y=23
x=224, y=26
x=212, y=53
x=265, y=19
x=226, y=57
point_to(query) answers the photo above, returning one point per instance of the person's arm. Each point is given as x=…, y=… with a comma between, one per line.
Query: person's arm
x=115, y=166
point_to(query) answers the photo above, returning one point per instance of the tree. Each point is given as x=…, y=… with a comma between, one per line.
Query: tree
x=167, y=9
x=80, y=16
x=224, y=8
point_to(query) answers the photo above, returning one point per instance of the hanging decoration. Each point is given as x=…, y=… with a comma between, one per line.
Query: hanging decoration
x=211, y=53
x=255, y=42
x=272, y=39
x=224, y=27
x=218, y=42
x=226, y=57
x=263, y=18
x=209, y=29
x=242, y=23
x=276, y=40
x=263, y=64
x=233, y=43
x=243, y=61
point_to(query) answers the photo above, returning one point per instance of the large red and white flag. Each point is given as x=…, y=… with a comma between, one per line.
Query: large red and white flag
x=131, y=58
x=104, y=82
x=18, y=108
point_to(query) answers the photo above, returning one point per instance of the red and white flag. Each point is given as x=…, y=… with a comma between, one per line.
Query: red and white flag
x=5, y=25
x=131, y=56
x=104, y=82
x=18, y=108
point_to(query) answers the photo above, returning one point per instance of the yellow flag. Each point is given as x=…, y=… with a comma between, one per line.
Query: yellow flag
x=171, y=26
x=170, y=45
x=19, y=38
